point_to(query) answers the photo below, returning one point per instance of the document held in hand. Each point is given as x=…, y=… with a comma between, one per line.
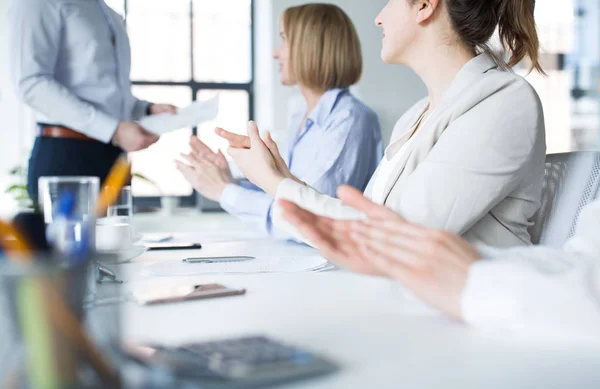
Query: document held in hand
x=190, y=116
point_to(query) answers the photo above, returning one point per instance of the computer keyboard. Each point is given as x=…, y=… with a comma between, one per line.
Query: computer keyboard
x=245, y=362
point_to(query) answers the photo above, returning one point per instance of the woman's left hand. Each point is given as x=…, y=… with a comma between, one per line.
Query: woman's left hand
x=204, y=175
x=257, y=163
x=433, y=264
x=331, y=237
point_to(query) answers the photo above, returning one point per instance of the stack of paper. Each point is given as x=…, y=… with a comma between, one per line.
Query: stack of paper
x=257, y=265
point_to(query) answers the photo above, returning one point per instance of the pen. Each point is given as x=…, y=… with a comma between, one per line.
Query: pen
x=218, y=259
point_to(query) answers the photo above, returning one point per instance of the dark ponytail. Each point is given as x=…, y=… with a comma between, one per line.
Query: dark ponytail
x=518, y=32
x=476, y=20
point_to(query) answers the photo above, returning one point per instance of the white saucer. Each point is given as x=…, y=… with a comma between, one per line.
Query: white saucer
x=127, y=254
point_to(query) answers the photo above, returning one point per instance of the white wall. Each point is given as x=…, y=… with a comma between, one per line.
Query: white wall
x=389, y=90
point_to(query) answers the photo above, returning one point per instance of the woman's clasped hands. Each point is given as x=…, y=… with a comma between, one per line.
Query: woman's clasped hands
x=208, y=172
x=259, y=160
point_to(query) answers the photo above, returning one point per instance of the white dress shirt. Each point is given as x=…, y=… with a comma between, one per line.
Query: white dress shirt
x=540, y=291
x=70, y=62
x=393, y=156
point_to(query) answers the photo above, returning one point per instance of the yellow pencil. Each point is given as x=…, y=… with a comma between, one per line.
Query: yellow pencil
x=13, y=240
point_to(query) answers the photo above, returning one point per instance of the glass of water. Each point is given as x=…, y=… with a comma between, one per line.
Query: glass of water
x=123, y=206
x=73, y=235
x=84, y=191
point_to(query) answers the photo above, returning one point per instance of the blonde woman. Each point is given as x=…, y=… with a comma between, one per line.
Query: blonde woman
x=469, y=158
x=334, y=139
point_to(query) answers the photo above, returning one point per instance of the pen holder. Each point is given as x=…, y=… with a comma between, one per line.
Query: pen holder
x=43, y=331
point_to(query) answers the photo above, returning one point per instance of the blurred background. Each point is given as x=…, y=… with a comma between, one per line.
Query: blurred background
x=186, y=50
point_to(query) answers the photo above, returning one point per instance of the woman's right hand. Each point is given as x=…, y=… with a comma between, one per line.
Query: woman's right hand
x=256, y=161
x=243, y=142
x=236, y=141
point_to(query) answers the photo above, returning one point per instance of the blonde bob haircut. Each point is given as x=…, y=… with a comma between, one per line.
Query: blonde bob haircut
x=325, y=51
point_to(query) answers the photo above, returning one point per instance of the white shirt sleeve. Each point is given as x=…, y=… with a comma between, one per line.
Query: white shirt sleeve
x=310, y=199
x=34, y=44
x=538, y=290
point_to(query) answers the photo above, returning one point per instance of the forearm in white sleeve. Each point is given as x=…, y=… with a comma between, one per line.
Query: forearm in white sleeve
x=34, y=44
x=535, y=291
x=311, y=200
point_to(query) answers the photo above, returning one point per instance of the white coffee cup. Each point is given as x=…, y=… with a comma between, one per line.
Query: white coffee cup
x=112, y=235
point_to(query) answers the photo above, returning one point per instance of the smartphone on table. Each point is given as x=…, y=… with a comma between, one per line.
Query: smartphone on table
x=158, y=295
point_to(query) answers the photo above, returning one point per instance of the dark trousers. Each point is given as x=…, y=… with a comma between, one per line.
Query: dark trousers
x=69, y=157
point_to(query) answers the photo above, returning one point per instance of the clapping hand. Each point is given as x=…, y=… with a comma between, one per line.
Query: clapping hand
x=208, y=172
x=433, y=264
x=259, y=160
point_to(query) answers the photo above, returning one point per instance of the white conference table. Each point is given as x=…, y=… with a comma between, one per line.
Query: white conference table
x=381, y=337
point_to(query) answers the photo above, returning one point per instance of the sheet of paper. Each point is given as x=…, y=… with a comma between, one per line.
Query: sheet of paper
x=291, y=264
x=190, y=116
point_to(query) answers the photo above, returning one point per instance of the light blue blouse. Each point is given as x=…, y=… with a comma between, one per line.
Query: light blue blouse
x=340, y=143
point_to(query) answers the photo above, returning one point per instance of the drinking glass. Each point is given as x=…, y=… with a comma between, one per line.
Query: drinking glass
x=123, y=206
x=76, y=230
x=84, y=190
x=72, y=234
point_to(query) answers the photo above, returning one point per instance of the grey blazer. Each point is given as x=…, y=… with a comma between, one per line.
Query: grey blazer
x=475, y=167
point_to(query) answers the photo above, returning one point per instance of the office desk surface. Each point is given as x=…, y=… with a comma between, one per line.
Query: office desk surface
x=381, y=337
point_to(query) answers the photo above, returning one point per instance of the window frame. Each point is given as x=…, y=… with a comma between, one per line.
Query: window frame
x=196, y=199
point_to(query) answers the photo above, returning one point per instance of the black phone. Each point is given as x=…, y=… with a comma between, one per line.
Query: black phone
x=173, y=246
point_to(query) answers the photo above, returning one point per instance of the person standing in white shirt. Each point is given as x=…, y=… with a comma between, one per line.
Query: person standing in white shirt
x=70, y=62
x=470, y=157
x=528, y=290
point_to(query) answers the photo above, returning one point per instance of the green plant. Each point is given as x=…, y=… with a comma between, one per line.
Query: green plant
x=18, y=190
x=146, y=179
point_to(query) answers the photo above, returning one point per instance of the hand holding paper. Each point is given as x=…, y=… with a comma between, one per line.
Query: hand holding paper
x=190, y=116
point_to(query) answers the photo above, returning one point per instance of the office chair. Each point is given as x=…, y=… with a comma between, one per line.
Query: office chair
x=571, y=181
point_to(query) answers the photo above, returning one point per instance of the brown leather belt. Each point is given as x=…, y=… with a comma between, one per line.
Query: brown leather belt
x=63, y=132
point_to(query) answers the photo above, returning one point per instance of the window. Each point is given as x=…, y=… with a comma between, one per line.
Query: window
x=182, y=51
x=570, y=38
